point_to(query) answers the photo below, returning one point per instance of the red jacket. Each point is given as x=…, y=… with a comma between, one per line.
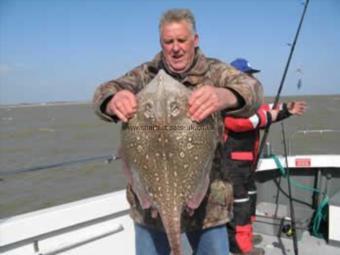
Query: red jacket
x=242, y=135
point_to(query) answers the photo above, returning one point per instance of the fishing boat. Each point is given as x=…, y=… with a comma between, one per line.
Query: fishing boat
x=101, y=224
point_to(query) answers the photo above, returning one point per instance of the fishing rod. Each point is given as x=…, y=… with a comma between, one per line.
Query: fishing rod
x=107, y=158
x=266, y=132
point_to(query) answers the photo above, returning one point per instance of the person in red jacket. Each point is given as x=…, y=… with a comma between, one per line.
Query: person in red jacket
x=240, y=149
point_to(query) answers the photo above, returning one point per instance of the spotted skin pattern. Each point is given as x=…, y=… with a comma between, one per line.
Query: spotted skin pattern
x=168, y=156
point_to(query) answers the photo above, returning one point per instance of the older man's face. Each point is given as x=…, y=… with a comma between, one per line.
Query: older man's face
x=178, y=44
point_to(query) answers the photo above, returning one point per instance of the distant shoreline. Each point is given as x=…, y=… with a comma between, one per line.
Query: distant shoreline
x=56, y=103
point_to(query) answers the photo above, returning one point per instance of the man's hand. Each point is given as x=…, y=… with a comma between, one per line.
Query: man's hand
x=208, y=99
x=123, y=105
x=297, y=107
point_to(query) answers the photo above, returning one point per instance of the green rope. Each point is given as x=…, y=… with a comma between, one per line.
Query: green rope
x=319, y=213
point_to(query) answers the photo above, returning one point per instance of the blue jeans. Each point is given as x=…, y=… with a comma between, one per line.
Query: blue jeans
x=211, y=241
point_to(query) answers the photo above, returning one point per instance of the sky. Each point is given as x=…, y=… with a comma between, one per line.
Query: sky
x=61, y=50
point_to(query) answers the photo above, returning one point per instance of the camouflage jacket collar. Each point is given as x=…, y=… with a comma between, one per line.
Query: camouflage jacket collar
x=193, y=76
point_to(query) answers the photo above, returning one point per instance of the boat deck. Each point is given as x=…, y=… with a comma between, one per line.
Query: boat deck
x=308, y=245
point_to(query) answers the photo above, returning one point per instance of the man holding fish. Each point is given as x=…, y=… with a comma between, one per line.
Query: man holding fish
x=212, y=90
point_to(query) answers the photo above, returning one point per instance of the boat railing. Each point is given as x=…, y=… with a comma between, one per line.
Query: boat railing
x=105, y=158
x=96, y=223
x=332, y=134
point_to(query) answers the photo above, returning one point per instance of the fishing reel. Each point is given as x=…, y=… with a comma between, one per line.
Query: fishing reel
x=288, y=230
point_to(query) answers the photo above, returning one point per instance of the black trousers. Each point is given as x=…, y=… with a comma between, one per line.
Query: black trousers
x=242, y=178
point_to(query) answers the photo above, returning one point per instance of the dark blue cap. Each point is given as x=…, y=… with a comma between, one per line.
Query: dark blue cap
x=243, y=65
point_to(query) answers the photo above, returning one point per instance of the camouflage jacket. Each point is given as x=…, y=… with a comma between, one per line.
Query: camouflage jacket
x=216, y=206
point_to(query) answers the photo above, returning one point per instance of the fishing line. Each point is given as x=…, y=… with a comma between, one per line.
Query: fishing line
x=107, y=158
x=266, y=132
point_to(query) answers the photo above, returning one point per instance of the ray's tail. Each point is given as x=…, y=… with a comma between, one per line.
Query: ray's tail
x=172, y=225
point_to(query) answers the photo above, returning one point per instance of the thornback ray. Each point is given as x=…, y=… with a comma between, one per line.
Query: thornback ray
x=168, y=156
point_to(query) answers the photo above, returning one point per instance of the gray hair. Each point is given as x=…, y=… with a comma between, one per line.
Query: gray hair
x=177, y=15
